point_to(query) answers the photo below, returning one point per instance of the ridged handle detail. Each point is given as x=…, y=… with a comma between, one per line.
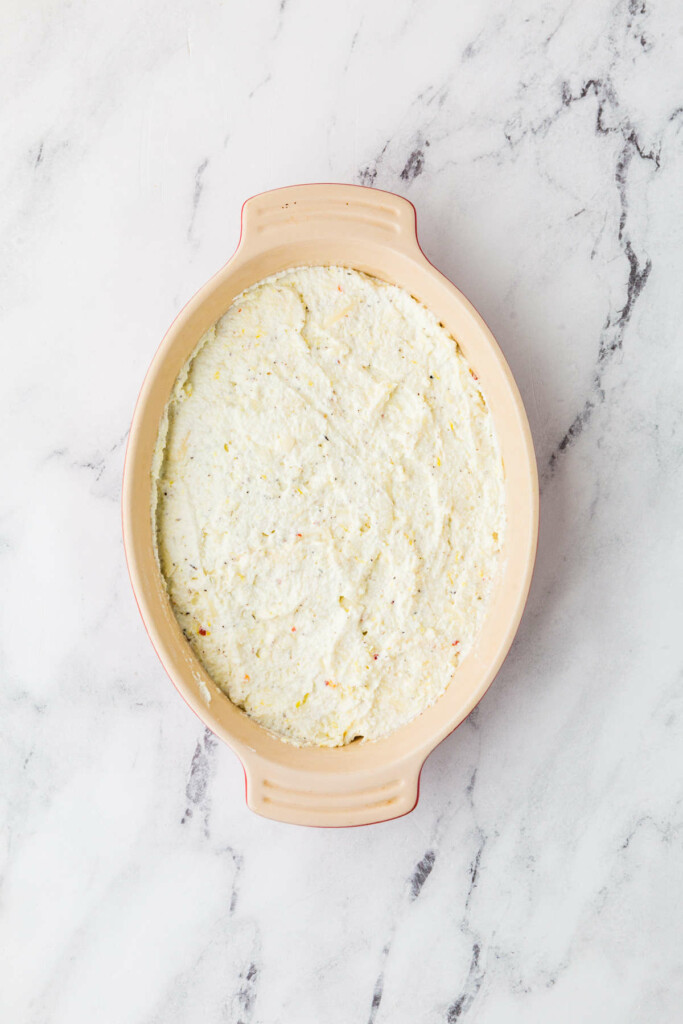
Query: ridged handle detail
x=314, y=212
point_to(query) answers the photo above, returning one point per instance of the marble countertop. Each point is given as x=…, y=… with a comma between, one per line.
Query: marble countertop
x=540, y=878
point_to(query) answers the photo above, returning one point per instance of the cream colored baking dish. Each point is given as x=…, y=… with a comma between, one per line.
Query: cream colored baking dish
x=374, y=232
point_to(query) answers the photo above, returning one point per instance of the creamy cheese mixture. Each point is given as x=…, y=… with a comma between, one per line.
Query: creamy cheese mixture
x=328, y=503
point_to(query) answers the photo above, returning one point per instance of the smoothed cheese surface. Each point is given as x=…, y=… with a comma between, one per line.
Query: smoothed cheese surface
x=328, y=505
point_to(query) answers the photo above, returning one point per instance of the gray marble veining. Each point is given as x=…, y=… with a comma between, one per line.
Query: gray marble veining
x=541, y=876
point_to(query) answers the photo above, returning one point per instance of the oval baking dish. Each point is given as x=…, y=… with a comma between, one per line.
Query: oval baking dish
x=373, y=232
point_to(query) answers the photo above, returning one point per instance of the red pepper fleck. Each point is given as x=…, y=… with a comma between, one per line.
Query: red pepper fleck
x=239, y=310
x=293, y=629
x=339, y=287
x=202, y=632
x=299, y=534
x=473, y=374
x=328, y=682
x=455, y=643
x=375, y=656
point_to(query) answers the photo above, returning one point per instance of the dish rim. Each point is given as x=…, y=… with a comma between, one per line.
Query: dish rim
x=321, y=785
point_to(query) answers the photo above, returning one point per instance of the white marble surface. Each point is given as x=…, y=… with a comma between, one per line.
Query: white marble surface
x=541, y=877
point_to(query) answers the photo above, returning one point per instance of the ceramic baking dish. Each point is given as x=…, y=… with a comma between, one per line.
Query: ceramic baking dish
x=375, y=232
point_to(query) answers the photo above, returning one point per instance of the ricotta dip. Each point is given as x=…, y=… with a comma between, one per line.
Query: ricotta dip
x=328, y=505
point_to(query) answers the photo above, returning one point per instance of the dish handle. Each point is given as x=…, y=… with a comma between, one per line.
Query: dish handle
x=336, y=213
x=337, y=798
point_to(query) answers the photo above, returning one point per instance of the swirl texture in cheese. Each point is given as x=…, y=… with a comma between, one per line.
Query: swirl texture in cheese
x=328, y=504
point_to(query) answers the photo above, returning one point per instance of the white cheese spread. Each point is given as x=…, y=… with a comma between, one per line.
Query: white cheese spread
x=328, y=505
